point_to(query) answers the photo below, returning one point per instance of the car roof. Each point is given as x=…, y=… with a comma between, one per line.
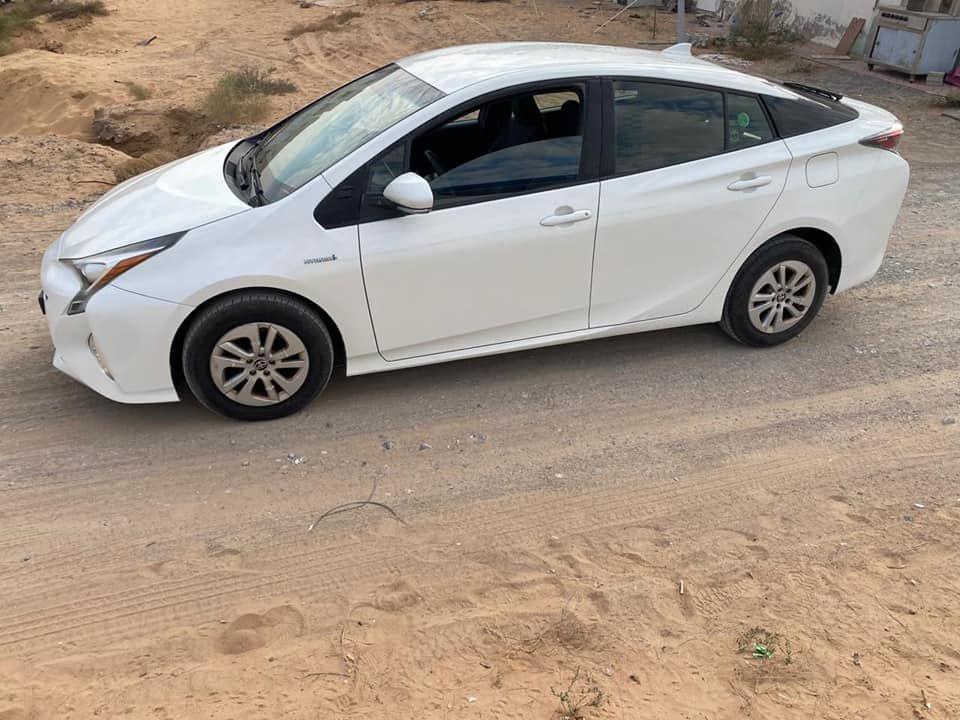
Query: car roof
x=455, y=68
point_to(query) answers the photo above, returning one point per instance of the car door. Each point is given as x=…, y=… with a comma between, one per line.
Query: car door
x=505, y=254
x=692, y=173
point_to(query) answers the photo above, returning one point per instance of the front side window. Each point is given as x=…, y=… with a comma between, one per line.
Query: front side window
x=523, y=143
x=320, y=135
x=658, y=125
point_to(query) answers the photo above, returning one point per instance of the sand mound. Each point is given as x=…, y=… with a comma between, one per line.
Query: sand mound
x=44, y=93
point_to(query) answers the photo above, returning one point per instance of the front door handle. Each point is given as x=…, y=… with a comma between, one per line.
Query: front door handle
x=750, y=183
x=565, y=216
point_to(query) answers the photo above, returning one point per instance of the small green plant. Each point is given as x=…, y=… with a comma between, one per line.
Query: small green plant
x=762, y=644
x=241, y=96
x=572, y=700
x=762, y=652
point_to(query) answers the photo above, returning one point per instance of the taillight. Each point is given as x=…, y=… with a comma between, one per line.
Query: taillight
x=885, y=141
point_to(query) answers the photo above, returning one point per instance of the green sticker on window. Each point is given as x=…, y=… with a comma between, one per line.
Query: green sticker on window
x=743, y=120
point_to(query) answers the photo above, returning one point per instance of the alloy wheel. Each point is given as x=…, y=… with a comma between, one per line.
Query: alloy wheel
x=782, y=296
x=259, y=364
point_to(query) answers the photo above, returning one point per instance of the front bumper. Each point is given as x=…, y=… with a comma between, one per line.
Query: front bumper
x=128, y=358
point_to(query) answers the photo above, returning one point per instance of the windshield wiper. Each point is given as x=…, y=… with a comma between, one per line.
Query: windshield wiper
x=248, y=176
x=254, y=175
x=240, y=171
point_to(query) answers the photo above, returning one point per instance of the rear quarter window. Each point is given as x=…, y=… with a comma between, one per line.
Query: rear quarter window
x=801, y=115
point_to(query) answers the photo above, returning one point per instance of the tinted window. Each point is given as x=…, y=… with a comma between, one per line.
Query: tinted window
x=747, y=124
x=807, y=114
x=523, y=168
x=660, y=125
x=511, y=145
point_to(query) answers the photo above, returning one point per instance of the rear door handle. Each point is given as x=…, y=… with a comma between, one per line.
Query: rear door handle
x=566, y=216
x=750, y=183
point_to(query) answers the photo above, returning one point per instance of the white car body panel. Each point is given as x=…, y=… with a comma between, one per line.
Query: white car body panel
x=178, y=196
x=476, y=275
x=660, y=249
x=666, y=237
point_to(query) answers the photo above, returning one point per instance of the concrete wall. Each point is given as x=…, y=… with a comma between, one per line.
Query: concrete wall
x=825, y=21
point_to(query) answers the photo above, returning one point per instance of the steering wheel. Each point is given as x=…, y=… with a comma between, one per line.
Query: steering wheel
x=434, y=161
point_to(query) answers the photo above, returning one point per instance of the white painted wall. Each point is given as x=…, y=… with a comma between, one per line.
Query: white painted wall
x=837, y=12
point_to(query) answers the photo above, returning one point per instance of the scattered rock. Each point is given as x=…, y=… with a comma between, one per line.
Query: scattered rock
x=150, y=125
x=425, y=446
x=389, y=444
x=478, y=437
x=949, y=420
x=856, y=659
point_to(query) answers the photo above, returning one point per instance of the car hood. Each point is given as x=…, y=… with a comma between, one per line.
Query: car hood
x=179, y=196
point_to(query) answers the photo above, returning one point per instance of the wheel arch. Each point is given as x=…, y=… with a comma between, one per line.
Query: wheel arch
x=176, y=347
x=826, y=244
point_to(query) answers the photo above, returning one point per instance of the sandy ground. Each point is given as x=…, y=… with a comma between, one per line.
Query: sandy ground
x=156, y=562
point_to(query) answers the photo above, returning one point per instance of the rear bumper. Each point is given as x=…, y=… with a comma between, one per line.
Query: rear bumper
x=119, y=347
x=867, y=232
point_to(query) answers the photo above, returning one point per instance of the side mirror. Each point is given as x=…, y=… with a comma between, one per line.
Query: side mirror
x=410, y=193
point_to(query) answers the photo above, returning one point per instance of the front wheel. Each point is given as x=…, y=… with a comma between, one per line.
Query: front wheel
x=257, y=356
x=777, y=293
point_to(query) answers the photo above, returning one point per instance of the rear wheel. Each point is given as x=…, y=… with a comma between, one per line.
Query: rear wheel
x=777, y=293
x=257, y=356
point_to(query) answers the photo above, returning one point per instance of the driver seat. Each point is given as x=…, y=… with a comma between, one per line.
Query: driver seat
x=524, y=124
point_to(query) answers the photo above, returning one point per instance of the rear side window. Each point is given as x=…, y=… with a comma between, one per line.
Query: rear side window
x=806, y=114
x=660, y=125
x=747, y=124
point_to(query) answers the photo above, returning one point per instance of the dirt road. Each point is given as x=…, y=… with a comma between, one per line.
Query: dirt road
x=543, y=510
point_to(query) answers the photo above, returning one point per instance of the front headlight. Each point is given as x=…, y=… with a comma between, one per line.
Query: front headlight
x=98, y=271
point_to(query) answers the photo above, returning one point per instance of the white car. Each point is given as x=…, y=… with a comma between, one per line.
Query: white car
x=471, y=201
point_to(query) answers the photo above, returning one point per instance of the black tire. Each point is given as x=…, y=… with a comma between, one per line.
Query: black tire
x=222, y=316
x=736, y=317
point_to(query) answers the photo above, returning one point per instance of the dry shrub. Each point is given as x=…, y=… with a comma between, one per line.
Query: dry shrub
x=138, y=91
x=13, y=20
x=138, y=165
x=68, y=9
x=20, y=15
x=762, y=32
x=241, y=96
x=331, y=23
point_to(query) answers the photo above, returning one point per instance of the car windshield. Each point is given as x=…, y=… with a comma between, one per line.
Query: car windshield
x=312, y=140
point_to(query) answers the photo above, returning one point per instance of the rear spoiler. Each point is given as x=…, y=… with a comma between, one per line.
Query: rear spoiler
x=829, y=94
